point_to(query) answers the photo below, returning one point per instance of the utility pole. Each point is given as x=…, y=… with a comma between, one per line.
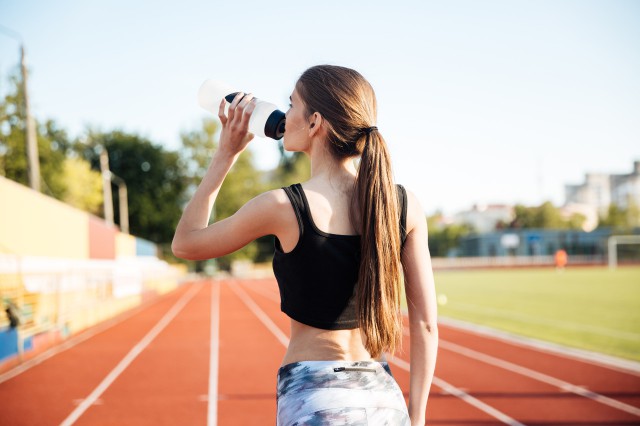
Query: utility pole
x=106, y=186
x=32, y=143
x=107, y=178
x=30, y=125
x=123, y=202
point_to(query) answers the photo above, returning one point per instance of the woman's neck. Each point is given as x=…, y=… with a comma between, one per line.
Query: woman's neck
x=326, y=165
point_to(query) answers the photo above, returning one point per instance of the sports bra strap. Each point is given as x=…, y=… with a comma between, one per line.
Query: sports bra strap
x=402, y=197
x=293, y=192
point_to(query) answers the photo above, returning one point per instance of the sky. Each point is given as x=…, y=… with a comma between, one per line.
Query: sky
x=480, y=102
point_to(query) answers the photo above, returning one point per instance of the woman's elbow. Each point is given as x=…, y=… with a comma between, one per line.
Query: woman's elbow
x=177, y=249
x=189, y=251
x=432, y=330
x=182, y=250
x=426, y=328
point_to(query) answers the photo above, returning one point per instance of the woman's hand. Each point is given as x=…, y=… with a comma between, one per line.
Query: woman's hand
x=235, y=135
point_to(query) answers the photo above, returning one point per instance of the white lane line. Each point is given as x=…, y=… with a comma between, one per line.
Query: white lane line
x=605, y=361
x=273, y=328
x=447, y=387
x=77, y=339
x=133, y=353
x=594, y=358
x=212, y=416
x=541, y=377
x=565, y=386
x=266, y=293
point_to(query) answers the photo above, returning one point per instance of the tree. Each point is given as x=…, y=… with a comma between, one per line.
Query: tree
x=84, y=186
x=444, y=237
x=545, y=216
x=154, y=178
x=198, y=147
x=13, y=154
x=64, y=176
x=242, y=183
x=623, y=219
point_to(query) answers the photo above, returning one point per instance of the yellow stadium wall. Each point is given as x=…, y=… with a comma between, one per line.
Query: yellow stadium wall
x=37, y=225
x=125, y=245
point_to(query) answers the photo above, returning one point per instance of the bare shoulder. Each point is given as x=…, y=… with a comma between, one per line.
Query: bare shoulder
x=274, y=209
x=415, y=213
x=274, y=198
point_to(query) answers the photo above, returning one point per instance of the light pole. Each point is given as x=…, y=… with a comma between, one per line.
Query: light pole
x=107, y=178
x=30, y=127
x=124, y=206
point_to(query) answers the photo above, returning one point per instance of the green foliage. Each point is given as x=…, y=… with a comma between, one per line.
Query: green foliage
x=621, y=218
x=197, y=149
x=67, y=179
x=84, y=186
x=13, y=153
x=243, y=182
x=545, y=216
x=444, y=238
x=154, y=178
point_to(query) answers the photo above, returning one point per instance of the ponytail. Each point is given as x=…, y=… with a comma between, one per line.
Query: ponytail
x=347, y=102
x=379, y=280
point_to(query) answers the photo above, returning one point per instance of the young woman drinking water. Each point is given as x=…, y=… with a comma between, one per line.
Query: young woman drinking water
x=347, y=242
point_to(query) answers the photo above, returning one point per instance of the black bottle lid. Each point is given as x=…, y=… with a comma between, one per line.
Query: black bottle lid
x=274, y=127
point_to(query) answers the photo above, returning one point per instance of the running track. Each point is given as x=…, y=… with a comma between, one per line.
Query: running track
x=207, y=354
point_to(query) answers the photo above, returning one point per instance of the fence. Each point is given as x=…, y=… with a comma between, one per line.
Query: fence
x=440, y=263
x=51, y=298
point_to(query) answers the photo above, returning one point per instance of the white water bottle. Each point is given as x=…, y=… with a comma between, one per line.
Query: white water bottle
x=266, y=120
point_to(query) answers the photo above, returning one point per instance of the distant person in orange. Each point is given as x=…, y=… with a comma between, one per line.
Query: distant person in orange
x=561, y=259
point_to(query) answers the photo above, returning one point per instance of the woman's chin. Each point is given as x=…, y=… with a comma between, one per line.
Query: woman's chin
x=287, y=147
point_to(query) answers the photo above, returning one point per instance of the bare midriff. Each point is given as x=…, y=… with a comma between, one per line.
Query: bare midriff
x=314, y=344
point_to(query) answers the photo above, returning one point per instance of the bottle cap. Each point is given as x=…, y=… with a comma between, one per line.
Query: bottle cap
x=274, y=127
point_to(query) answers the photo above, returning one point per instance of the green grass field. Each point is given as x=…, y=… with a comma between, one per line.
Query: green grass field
x=588, y=308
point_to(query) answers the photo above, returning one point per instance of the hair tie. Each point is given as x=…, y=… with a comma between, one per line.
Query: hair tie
x=368, y=130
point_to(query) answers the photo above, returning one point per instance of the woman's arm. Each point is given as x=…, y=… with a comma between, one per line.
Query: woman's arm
x=194, y=238
x=421, y=302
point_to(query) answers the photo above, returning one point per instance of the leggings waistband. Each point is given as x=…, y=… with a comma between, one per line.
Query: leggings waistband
x=344, y=392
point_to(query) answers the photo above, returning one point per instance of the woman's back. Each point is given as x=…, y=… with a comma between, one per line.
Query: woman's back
x=330, y=203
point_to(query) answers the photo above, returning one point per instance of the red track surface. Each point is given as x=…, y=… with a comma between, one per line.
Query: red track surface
x=127, y=379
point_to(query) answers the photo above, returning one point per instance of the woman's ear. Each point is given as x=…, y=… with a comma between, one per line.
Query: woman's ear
x=315, y=123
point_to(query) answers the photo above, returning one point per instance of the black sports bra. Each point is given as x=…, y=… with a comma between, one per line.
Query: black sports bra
x=317, y=278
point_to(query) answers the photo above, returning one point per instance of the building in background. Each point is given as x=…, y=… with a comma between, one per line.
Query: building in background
x=626, y=188
x=484, y=218
x=599, y=190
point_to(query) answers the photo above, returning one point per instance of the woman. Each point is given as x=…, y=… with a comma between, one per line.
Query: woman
x=343, y=240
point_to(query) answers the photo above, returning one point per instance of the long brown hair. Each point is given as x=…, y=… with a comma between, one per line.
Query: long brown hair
x=347, y=102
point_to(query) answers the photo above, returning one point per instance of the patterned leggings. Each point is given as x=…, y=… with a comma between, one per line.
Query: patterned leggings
x=362, y=393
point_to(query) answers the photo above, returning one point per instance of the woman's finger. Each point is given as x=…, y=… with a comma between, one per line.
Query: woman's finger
x=241, y=107
x=234, y=105
x=245, y=100
x=239, y=112
x=221, y=115
x=248, y=110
